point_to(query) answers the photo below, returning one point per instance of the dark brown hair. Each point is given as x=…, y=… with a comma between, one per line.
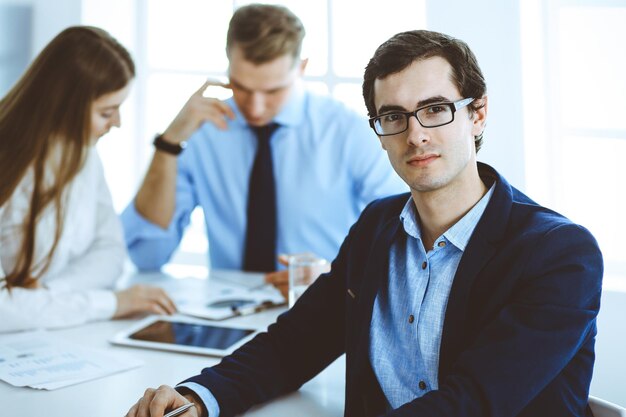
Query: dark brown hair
x=47, y=110
x=265, y=32
x=403, y=49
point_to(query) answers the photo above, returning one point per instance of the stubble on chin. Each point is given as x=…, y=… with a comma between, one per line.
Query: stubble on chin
x=421, y=179
x=426, y=184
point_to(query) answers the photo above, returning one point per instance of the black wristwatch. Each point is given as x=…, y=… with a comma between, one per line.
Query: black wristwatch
x=168, y=147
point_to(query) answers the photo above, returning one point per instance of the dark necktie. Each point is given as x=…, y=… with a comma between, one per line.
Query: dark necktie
x=260, y=251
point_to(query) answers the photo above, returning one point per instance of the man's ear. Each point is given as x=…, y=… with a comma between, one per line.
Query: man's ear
x=480, y=116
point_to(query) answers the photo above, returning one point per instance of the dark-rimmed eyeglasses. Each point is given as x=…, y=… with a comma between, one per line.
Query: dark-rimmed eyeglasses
x=432, y=115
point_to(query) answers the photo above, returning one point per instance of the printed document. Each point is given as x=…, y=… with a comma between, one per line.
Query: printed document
x=42, y=361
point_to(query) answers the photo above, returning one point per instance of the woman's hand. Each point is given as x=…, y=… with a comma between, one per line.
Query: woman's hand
x=140, y=299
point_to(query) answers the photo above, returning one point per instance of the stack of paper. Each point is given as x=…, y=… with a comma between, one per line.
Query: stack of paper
x=42, y=361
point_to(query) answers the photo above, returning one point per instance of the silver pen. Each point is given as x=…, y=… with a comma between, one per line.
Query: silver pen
x=245, y=310
x=179, y=410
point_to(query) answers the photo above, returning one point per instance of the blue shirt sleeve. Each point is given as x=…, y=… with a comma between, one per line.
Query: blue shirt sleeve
x=210, y=403
x=150, y=246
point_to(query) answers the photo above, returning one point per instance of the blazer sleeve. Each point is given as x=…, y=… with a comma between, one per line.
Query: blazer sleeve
x=302, y=342
x=534, y=337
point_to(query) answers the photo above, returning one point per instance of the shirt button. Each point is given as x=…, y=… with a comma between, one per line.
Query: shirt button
x=424, y=265
x=422, y=385
x=441, y=244
x=411, y=318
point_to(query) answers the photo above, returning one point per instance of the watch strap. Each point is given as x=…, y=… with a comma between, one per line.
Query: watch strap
x=168, y=147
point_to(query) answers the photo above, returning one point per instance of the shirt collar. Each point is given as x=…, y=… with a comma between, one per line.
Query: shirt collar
x=408, y=218
x=460, y=233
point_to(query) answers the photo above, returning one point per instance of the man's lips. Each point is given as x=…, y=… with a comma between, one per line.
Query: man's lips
x=422, y=160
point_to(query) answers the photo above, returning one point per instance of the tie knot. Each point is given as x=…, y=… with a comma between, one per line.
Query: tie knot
x=263, y=133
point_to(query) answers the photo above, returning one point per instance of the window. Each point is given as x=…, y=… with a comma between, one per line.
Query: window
x=177, y=44
x=574, y=65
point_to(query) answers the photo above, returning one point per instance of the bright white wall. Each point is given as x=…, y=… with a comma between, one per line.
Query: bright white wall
x=492, y=31
x=26, y=26
x=609, y=370
x=50, y=17
x=16, y=22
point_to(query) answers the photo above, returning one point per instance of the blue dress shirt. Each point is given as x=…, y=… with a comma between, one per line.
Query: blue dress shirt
x=408, y=314
x=328, y=165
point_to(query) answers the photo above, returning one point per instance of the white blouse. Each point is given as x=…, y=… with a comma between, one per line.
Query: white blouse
x=89, y=257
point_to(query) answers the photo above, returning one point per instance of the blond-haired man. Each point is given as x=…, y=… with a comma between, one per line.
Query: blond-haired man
x=298, y=190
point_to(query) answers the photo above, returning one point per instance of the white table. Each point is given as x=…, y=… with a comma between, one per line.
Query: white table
x=113, y=395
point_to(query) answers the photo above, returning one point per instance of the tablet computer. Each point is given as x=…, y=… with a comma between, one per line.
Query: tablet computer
x=185, y=334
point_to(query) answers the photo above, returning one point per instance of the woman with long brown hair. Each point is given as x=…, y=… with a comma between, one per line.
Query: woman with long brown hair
x=61, y=245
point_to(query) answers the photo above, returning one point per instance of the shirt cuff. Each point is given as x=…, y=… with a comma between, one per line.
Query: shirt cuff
x=210, y=403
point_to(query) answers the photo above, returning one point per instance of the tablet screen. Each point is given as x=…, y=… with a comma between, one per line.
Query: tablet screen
x=191, y=334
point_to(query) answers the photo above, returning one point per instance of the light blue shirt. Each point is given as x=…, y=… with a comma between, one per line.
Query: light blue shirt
x=328, y=164
x=408, y=314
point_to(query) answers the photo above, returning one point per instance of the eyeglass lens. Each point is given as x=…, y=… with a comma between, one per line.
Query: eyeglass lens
x=431, y=116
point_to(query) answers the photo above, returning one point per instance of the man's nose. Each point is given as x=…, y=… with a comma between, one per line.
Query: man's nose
x=256, y=104
x=416, y=134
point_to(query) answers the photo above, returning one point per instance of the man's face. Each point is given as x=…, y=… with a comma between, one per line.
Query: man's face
x=429, y=159
x=260, y=91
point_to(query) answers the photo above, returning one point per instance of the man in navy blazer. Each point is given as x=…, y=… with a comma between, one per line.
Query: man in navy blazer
x=461, y=298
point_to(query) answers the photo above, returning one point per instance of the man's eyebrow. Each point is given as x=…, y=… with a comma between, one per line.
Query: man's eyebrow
x=275, y=89
x=235, y=84
x=432, y=100
x=387, y=108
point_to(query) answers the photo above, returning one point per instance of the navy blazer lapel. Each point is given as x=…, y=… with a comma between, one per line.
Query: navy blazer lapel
x=479, y=251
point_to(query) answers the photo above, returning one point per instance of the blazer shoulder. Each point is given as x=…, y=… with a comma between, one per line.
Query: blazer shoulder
x=536, y=217
x=383, y=209
x=378, y=215
x=542, y=225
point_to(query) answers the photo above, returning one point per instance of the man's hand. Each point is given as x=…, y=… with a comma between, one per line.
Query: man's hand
x=280, y=279
x=143, y=299
x=155, y=402
x=196, y=111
